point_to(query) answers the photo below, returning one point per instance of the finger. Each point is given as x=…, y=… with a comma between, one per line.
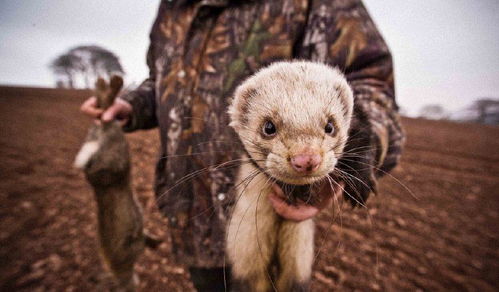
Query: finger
x=111, y=113
x=277, y=190
x=123, y=122
x=302, y=212
x=295, y=213
x=278, y=204
x=89, y=107
x=89, y=102
x=94, y=112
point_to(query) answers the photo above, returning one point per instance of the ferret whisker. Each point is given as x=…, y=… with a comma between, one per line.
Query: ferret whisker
x=348, y=142
x=247, y=180
x=340, y=211
x=242, y=192
x=327, y=232
x=212, y=207
x=356, y=154
x=257, y=235
x=348, y=181
x=193, y=174
x=254, y=174
x=355, y=138
x=293, y=187
x=356, y=178
x=390, y=175
x=188, y=177
x=237, y=197
x=244, y=214
x=193, y=154
x=255, y=145
x=348, y=194
x=347, y=149
x=358, y=150
x=347, y=178
x=250, y=141
x=217, y=141
x=309, y=194
x=356, y=170
x=372, y=225
x=336, y=202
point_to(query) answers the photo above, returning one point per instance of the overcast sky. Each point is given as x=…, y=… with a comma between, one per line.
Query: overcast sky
x=445, y=51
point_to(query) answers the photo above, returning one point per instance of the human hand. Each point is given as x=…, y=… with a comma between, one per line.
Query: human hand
x=303, y=211
x=119, y=110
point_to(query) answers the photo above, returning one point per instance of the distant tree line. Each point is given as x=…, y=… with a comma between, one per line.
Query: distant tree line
x=487, y=111
x=483, y=111
x=81, y=66
x=433, y=112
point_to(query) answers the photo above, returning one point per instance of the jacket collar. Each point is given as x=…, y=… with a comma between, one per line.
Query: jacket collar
x=214, y=3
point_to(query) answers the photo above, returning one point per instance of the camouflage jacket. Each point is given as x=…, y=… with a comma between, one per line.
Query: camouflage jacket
x=200, y=51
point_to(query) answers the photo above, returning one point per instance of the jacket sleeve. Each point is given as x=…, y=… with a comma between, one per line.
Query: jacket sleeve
x=342, y=34
x=143, y=101
x=143, y=98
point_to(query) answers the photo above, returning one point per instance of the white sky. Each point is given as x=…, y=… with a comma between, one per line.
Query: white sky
x=445, y=51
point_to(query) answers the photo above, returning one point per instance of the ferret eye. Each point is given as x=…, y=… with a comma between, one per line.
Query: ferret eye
x=329, y=128
x=269, y=129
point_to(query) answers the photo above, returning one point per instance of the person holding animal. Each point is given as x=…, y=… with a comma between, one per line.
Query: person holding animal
x=200, y=52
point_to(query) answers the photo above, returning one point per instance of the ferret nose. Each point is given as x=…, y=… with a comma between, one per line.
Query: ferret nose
x=306, y=163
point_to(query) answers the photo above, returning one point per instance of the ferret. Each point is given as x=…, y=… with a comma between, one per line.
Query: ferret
x=293, y=120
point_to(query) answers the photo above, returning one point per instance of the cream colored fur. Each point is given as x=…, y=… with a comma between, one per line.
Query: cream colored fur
x=254, y=233
x=86, y=152
x=299, y=98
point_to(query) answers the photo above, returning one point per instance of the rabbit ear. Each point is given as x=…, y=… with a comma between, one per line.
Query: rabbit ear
x=100, y=85
x=101, y=92
x=106, y=93
x=115, y=84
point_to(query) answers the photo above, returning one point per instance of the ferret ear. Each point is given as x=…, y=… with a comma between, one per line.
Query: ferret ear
x=239, y=106
x=232, y=114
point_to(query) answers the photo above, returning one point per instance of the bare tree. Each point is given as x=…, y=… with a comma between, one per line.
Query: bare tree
x=82, y=65
x=487, y=110
x=433, y=112
x=66, y=67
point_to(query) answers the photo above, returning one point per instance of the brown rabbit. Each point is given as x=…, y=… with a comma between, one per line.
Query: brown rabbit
x=105, y=159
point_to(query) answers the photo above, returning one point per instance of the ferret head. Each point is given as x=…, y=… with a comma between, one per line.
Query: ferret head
x=293, y=119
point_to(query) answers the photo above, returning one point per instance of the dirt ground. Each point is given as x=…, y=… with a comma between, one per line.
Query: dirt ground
x=445, y=240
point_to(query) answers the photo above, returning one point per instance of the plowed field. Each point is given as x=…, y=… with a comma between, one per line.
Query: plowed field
x=446, y=239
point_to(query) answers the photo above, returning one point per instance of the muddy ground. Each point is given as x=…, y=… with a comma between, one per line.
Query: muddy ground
x=445, y=240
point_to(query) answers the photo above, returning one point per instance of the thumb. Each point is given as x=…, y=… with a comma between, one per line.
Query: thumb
x=110, y=113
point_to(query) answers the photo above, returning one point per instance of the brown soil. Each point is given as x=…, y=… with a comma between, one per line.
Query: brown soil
x=446, y=239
